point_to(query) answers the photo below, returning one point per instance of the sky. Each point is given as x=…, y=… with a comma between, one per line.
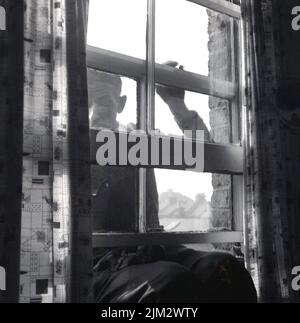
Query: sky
x=181, y=35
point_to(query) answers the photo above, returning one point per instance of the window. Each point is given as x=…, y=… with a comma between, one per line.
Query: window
x=204, y=36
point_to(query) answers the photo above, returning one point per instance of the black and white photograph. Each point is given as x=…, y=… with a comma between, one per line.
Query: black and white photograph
x=150, y=154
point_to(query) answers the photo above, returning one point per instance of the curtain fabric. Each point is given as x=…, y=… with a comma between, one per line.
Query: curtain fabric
x=44, y=153
x=56, y=259
x=11, y=105
x=269, y=230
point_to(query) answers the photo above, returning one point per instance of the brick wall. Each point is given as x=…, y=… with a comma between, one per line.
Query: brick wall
x=220, y=67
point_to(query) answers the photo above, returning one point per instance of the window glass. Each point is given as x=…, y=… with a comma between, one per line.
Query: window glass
x=112, y=101
x=113, y=105
x=181, y=34
x=190, y=201
x=195, y=39
x=172, y=116
x=118, y=25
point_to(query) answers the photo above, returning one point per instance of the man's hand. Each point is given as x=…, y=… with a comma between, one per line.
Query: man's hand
x=171, y=94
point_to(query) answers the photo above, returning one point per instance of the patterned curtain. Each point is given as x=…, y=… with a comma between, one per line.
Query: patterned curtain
x=11, y=105
x=56, y=252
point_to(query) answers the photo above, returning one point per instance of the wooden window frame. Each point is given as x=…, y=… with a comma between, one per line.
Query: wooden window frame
x=219, y=158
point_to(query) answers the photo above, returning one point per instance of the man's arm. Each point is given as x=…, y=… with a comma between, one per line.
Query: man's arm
x=185, y=118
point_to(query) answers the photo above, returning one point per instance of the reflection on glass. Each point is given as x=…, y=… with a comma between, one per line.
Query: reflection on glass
x=112, y=104
x=181, y=34
x=193, y=201
x=118, y=25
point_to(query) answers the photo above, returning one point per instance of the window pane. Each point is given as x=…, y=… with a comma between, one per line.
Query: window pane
x=112, y=101
x=222, y=47
x=114, y=198
x=191, y=201
x=196, y=111
x=201, y=41
x=173, y=116
x=118, y=25
x=196, y=37
x=220, y=120
x=181, y=34
x=113, y=105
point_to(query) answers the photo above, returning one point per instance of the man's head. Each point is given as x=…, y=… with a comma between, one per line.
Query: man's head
x=105, y=100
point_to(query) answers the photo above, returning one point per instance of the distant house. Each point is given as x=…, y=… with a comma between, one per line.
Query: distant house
x=183, y=213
